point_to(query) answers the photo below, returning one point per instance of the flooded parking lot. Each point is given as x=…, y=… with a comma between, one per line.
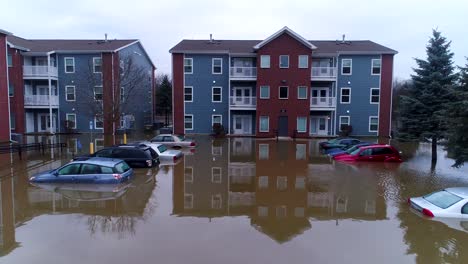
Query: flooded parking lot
x=236, y=200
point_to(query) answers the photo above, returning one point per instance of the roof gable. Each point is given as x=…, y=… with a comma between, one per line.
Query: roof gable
x=289, y=32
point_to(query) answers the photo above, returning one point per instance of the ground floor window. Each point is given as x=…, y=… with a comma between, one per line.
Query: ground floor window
x=373, y=123
x=71, y=121
x=188, y=122
x=216, y=176
x=216, y=119
x=344, y=121
x=264, y=124
x=301, y=124
x=98, y=122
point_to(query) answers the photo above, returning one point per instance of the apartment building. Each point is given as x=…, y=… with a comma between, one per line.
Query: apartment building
x=283, y=85
x=57, y=85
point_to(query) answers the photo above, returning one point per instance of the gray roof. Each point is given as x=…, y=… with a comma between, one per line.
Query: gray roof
x=247, y=46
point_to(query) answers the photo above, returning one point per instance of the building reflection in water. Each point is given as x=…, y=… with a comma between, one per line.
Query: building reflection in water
x=280, y=186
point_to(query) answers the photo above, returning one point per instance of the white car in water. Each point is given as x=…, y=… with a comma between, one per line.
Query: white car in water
x=447, y=203
x=166, y=156
x=174, y=141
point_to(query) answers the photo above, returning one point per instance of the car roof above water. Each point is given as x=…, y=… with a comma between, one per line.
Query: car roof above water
x=109, y=162
x=459, y=191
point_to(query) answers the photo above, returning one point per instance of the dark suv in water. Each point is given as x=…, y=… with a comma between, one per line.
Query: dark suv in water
x=135, y=156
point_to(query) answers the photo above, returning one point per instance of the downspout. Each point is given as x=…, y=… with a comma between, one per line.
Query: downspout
x=113, y=98
x=8, y=87
x=336, y=93
x=51, y=124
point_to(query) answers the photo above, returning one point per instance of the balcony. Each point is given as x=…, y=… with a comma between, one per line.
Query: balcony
x=322, y=103
x=324, y=73
x=39, y=71
x=40, y=101
x=243, y=73
x=244, y=102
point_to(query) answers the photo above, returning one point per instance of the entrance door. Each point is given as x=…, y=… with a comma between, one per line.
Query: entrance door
x=242, y=96
x=319, y=125
x=44, y=122
x=242, y=124
x=283, y=126
x=319, y=97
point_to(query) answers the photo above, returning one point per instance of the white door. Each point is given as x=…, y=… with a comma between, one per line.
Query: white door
x=242, y=124
x=44, y=122
x=242, y=96
x=319, y=125
x=319, y=97
x=29, y=122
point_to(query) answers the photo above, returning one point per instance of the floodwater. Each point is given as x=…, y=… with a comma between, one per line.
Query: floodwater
x=236, y=200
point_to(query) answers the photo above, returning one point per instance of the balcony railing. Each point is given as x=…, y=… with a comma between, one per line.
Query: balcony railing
x=244, y=72
x=324, y=72
x=40, y=100
x=39, y=71
x=243, y=102
x=323, y=102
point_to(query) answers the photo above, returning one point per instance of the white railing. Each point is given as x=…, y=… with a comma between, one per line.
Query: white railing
x=244, y=101
x=39, y=71
x=40, y=100
x=323, y=102
x=324, y=72
x=243, y=72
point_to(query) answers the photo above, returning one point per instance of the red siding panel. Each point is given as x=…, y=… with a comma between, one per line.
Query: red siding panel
x=385, y=110
x=110, y=89
x=4, y=113
x=15, y=77
x=178, y=92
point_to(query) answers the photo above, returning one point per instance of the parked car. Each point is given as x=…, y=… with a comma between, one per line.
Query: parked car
x=93, y=170
x=174, y=141
x=165, y=155
x=447, y=203
x=135, y=156
x=340, y=151
x=339, y=143
x=376, y=152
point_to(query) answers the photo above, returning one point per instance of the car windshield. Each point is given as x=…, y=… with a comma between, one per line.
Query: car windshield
x=162, y=148
x=121, y=167
x=442, y=199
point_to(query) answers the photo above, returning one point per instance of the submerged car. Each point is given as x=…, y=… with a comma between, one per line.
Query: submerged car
x=449, y=203
x=93, y=170
x=135, y=156
x=382, y=153
x=340, y=151
x=174, y=141
x=339, y=143
x=165, y=155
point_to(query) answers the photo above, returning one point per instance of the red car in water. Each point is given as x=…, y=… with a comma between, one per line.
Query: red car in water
x=382, y=153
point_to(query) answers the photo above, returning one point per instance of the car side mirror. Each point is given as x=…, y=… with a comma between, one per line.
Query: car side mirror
x=55, y=173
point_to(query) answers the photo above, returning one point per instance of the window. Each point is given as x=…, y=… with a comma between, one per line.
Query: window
x=373, y=123
x=283, y=92
x=301, y=151
x=69, y=65
x=301, y=124
x=217, y=66
x=216, y=201
x=70, y=169
x=122, y=94
x=188, y=174
x=10, y=60
x=70, y=93
x=11, y=90
x=300, y=183
x=345, y=96
x=263, y=182
x=216, y=95
x=98, y=93
x=303, y=61
x=346, y=66
x=71, y=121
x=97, y=65
x=265, y=61
x=374, y=95
x=344, y=120
x=442, y=199
x=284, y=61
x=188, y=94
x=264, y=92
x=98, y=122
x=302, y=92
x=216, y=119
x=376, y=65
x=12, y=121
x=264, y=124
x=216, y=176
x=188, y=201
x=263, y=151
x=281, y=183
x=90, y=169
x=262, y=211
x=188, y=65
x=188, y=122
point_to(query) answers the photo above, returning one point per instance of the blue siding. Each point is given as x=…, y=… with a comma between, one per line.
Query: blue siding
x=360, y=82
x=202, y=80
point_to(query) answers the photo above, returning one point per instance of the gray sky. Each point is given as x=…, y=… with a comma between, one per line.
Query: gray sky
x=404, y=25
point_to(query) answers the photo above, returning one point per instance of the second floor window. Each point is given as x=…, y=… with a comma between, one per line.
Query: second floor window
x=346, y=66
x=303, y=61
x=69, y=65
x=265, y=61
x=216, y=94
x=264, y=92
x=284, y=61
x=217, y=66
x=70, y=93
x=188, y=94
x=10, y=60
x=283, y=92
x=264, y=124
x=302, y=92
x=98, y=93
x=374, y=95
x=97, y=65
x=188, y=122
x=11, y=90
x=188, y=65
x=345, y=96
x=122, y=94
x=376, y=63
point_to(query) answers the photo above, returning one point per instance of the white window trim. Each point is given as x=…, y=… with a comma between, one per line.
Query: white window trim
x=191, y=88
x=370, y=117
x=212, y=65
x=220, y=94
x=341, y=95
x=260, y=126
x=65, y=64
x=94, y=64
x=269, y=61
x=279, y=93
x=306, y=92
x=95, y=121
x=339, y=121
x=297, y=124
x=351, y=66
x=370, y=96
x=193, y=123
x=212, y=119
x=287, y=56
x=261, y=92
x=74, y=93
x=220, y=174
x=66, y=118
x=372, y=67
x=122, y=93
x=299, y=61
x=191, y=72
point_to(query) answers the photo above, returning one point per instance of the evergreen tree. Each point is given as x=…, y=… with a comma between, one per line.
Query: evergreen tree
x=458, y=113
x=423, y=109
x=164, y=97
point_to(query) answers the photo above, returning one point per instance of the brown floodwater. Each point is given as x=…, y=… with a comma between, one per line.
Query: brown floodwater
x=236, y=200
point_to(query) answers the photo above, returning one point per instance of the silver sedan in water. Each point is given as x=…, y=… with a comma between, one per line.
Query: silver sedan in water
x=165, y=155
x=174, y=141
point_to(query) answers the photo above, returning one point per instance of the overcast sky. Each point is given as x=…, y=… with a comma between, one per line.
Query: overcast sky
x=403, y=25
